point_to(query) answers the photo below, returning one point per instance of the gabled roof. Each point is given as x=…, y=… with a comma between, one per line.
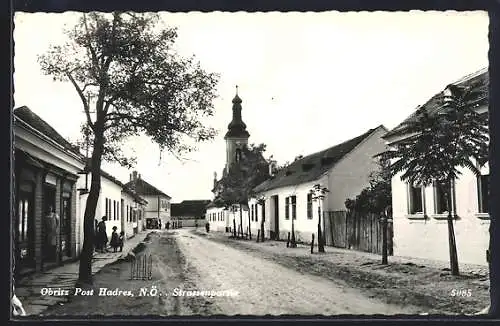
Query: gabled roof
x=478, y=81
x=189, y=208
x=313, y=166
x=27, y=116
x=111, y=178
x=144, y=188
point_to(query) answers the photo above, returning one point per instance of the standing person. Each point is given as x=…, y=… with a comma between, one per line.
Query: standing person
x=97, y=243
x=101, y=234
x=121, y=239
x=52, y=224
x=114, y=239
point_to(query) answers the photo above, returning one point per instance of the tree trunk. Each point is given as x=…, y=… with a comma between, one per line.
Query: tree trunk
x=234, y=226
x=85, y=268
x=321, y=246
x=241, y=220
x=451, y=234
x=384, y=240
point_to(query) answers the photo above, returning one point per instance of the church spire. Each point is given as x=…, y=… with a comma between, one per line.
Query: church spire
x=237, y=128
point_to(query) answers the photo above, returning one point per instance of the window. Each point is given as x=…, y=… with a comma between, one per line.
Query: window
x=252, y=211
x=238, y=154
x=294, y=207
x=107, y=207
x=128, y=217
x=287, y=204
x=415, y=200
x=440, y=198
x=309, y=206
x=483, y=188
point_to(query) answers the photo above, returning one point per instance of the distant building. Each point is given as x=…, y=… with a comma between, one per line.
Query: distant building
x=420, y=214
x=190, y=212
x=158, y=207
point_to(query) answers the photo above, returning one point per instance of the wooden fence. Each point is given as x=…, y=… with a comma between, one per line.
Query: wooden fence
x=356, y=231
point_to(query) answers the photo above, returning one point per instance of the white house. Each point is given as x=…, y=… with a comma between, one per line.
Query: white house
x=419, y=217
x=157, y=211
x=343, y=169
x=122, y=207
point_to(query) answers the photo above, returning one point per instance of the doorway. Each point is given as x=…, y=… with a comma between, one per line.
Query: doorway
x=50, y=225
x=276, y=231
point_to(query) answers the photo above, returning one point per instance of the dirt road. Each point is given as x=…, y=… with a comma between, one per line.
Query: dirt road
x=232, y=281
x=266, y=287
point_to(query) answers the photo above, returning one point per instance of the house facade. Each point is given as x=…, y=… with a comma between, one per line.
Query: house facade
x=46, y=169
x=343, y=169
x=122, y=207
x=420, y=214
x=190, y=212
x=51, y=181
x=157, y=210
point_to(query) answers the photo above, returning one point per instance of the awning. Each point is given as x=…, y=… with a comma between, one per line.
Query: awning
x=28, y=159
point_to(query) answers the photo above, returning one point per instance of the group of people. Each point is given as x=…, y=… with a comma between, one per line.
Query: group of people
x=101, y=237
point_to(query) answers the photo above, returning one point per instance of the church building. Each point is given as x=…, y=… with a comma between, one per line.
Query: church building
x=220, y=218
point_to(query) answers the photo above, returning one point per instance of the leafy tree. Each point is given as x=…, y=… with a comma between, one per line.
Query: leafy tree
x=439, y=144
x=236, y=187
x=127, y=63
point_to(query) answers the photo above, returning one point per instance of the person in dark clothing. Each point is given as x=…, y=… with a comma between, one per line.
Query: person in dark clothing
x=114, y=243
x=121, y=239
x=167, y=225
x=102, y=237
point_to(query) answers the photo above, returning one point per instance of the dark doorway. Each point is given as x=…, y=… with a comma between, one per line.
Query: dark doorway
x=276, y=231
x=50, y=225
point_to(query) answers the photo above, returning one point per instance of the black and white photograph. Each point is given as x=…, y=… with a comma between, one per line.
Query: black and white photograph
x=250, y=163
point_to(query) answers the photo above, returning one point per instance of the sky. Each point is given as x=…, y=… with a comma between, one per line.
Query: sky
x=308, y=81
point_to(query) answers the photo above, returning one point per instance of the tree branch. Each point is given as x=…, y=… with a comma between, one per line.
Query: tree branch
x=93, y=54
x=84, y=100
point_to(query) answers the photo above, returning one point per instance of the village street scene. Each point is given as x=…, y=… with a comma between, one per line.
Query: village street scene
x=222, y=164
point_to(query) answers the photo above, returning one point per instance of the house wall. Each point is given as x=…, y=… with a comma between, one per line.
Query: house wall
x=190, y=221
x=349, y=176
x=217, y=224
x=127, y=222
x=415, y=236
x=153, y=210
x=48, y=152
x=303, y=226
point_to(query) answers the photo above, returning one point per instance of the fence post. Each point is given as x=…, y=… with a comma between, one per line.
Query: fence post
x=288, y=240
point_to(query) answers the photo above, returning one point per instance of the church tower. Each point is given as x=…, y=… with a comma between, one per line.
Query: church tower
x=237, y=134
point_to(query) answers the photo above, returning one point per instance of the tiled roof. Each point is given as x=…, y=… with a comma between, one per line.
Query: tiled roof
x=312, y=167
x=124, y=187
x=23, y=113
x=145, y=189
x=189, y=208
x=478, y=81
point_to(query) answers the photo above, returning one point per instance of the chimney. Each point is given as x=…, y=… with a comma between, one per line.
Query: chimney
x=134, y=175
x=215, y=178
x=139, y=176
x=130, y=176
